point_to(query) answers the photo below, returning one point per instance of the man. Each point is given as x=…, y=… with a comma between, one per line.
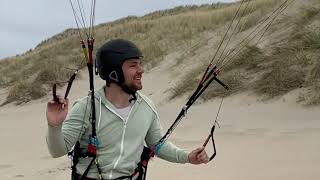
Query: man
x=126, y=119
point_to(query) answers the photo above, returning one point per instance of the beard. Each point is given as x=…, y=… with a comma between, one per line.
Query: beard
x=135, y=86
x=131, y=87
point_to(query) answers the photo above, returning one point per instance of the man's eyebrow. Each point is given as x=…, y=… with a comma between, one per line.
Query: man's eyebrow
x=133, y=62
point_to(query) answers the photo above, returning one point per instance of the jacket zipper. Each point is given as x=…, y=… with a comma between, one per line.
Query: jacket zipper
x=122, y=138
x=121, y=151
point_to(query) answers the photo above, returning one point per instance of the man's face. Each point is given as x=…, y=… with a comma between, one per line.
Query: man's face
x=132, y=71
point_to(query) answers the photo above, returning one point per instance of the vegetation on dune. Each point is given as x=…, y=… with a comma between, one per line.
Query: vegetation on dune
x=24, y=91
x=277, y=69
x=271, y=70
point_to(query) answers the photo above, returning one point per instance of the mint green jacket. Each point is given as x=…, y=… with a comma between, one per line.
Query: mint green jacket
x=120, y=141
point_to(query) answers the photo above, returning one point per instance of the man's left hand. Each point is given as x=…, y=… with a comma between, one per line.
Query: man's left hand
x=198, y=156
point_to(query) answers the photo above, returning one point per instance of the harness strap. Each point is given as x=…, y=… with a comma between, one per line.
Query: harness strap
x=84, y=175
x=76, y=153
x=141, y=171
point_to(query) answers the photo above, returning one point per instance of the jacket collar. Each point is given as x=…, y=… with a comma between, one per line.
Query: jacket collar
x=101, y=94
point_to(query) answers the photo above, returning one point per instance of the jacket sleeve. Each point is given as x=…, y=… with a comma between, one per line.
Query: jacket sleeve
x=168, y=151
x=61, y=139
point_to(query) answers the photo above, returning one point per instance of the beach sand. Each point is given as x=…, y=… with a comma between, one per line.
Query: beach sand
x=272, y=140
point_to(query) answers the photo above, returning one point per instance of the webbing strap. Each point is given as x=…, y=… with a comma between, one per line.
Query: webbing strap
x=84, y=175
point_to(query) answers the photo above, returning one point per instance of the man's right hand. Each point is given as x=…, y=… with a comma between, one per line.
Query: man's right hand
x=57, y=112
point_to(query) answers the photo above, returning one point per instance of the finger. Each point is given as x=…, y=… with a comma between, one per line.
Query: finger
x=199, y=150
x=51, y=102
x=61, y=101
x=206, y=159
x=203, y=155
x=202, y=159
x=65, y=103
x=57, y=106
x=52, y=105
x=199, y=156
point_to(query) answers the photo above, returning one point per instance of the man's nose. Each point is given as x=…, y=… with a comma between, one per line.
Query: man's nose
x=140, y=69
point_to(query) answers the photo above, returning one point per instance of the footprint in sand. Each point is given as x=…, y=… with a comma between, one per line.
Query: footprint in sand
x=19, y=175
x=46, y=157
x=5, y=166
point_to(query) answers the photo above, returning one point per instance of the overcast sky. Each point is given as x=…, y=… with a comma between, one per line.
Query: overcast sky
x=25, y=23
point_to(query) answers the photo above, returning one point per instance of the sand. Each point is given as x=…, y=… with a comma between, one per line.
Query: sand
x=276, y=140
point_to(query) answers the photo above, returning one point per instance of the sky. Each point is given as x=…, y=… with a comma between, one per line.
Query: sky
x=25, y=23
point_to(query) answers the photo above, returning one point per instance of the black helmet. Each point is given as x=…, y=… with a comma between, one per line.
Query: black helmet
x=111, y=56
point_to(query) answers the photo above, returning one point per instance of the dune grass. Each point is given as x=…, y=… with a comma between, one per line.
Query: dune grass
x=286, y=66
x=163, y=32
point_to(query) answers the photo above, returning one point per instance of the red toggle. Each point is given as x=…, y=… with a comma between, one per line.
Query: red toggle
x=92, y=149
